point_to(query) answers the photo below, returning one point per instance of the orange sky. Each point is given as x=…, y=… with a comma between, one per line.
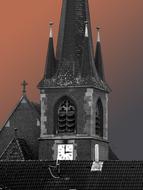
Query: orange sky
x=23, y=46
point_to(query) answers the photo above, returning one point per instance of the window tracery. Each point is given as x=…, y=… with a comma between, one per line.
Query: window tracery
x=66, y=116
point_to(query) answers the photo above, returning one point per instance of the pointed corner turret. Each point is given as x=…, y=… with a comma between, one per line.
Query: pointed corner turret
x=51, y=63
x=98, y=57
x=87, y=68
x=50, y=67
x=99, y=62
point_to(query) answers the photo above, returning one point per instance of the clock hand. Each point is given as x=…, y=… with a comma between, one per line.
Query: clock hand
x=64, y=148
x=68, y=152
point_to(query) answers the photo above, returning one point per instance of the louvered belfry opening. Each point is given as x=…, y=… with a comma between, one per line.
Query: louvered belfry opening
x=66, y=116
x=99, y=118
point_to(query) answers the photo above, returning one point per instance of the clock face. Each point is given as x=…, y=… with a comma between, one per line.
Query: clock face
x=65, y=152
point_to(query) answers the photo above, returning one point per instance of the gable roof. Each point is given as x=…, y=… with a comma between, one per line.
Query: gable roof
x=17, y=149
x=34, y=106
x=35, y=175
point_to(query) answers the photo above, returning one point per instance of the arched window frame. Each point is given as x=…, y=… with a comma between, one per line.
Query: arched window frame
x=57, y=109
x=99, y=118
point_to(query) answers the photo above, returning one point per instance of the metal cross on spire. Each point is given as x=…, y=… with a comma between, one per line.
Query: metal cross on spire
x=24, y=84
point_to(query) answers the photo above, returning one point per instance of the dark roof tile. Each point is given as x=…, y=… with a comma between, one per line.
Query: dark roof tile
x=35, y=175
x=17, y=150
x=37, y=107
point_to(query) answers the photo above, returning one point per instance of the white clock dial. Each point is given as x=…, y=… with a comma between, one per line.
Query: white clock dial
x=65, y=152
x=60, y=152
x=69, y=148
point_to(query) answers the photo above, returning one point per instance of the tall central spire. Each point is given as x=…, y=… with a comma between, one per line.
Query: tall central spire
x=72, y=29
x=74, y=55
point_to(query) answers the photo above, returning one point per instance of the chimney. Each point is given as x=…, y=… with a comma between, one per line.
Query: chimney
x=97, y=165
x=97, y=153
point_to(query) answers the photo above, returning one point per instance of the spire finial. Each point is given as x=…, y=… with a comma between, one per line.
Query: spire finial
x=98, y=33
x=51, y=29
x=24, y=84
x=86, y=28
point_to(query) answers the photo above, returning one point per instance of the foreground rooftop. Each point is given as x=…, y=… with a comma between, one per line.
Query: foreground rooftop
x=43, y=175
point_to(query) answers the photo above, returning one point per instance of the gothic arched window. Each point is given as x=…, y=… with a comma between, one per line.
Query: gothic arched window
x=66, y=116
x=99, y=118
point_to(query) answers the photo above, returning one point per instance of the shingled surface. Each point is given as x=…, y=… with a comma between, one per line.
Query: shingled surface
x=70, y=49
x=25, y=117
x=43, y=175
x=17, y=150
x=72, y=27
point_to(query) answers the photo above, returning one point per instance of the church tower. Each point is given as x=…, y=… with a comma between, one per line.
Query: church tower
x=74, y=93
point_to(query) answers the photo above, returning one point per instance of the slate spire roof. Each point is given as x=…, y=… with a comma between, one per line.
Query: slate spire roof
x=50, y=67
x=71, y=44
x=98, y=57
x=70, y=49
x=87, y=67
x=71, y=33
